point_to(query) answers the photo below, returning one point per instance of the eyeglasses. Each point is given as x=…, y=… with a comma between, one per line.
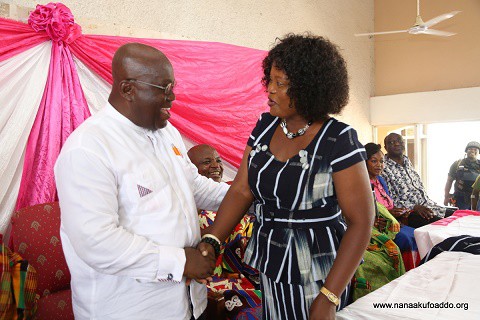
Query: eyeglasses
x=167, y=89
x=394, y=142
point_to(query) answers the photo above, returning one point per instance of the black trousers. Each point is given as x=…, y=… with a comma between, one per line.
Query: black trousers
x=203, y=316
x=462, y=200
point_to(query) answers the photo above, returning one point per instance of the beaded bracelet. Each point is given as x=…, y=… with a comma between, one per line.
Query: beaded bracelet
x=213, y=241
x=209, y=235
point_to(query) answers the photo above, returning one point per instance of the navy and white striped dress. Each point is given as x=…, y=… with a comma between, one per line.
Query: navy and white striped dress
x=299, y=225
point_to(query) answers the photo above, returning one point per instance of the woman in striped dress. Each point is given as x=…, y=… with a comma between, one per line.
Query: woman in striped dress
x=304, y=172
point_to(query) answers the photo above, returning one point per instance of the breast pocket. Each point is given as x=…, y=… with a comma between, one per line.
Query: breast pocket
x=143, y=201
x=140, y=193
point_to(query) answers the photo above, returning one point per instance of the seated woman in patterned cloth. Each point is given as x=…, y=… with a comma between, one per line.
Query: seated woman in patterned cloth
x=404, y=239
x=304, y=172
x=382, y=261
x=233, y=280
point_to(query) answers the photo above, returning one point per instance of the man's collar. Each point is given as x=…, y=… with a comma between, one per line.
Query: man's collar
x=404, y=159
x=113, y=112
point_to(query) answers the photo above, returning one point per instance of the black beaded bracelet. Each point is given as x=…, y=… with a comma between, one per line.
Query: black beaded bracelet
x=214, y=244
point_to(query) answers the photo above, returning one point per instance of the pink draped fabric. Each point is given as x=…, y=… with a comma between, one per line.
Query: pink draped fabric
x=457, y=215
x=16, y=37
x=62, y=109
x=219, y=95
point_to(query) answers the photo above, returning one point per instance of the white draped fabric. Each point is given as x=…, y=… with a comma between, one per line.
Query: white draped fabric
x=22, y=79
x=445, y=287
x=462, y=222
x=95, y=89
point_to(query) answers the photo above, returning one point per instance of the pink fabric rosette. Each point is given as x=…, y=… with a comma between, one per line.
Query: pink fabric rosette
x=56, y=20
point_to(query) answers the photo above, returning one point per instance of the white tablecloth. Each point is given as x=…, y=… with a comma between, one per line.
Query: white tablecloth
x=462, y=222
x=452, y=277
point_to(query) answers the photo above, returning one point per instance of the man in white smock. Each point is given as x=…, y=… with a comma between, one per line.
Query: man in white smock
x=128, y=197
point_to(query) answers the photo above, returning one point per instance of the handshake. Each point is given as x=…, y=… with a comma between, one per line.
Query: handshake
x=200, y=263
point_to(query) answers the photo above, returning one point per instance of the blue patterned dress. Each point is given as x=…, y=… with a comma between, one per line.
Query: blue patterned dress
x=299, y=224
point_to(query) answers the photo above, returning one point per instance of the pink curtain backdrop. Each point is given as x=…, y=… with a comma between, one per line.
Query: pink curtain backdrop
x=219, y=94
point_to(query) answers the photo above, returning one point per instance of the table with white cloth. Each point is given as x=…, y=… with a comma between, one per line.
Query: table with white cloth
x=462, y=222
x=445, y=287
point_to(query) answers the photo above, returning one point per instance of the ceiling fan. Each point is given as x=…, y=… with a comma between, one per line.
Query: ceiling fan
x=421, y=27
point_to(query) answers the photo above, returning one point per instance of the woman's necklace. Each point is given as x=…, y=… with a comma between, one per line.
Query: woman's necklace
x=291, y=135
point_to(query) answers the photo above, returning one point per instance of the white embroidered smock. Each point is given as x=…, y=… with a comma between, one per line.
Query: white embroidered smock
x=128, y=199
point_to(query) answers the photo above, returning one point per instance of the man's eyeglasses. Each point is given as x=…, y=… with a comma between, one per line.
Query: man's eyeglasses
x=167, y=89
x=394, y=142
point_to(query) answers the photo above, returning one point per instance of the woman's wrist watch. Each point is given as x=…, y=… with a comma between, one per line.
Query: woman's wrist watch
x=330, y=296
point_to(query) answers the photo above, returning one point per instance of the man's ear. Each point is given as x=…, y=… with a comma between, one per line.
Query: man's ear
x=127, y=90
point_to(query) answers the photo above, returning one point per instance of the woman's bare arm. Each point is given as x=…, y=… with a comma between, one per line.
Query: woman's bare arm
x=356, y=201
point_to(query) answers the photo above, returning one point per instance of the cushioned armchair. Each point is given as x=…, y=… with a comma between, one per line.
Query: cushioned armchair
x=36, y=237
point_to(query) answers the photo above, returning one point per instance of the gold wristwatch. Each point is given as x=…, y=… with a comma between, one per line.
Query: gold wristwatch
x=330, y=296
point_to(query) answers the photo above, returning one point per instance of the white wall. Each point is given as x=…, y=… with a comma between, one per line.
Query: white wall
x=406, y=63
x=426, y=107
x=247, y=23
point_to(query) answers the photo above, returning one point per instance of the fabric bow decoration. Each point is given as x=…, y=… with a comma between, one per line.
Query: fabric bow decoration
x=57, y=21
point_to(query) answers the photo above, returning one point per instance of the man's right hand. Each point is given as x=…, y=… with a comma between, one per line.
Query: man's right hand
x=423, y=211
x=197, y=266
x=447, y=198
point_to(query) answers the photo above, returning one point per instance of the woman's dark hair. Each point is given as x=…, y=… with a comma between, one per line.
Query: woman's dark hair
x=372, y=148
x=316, y=71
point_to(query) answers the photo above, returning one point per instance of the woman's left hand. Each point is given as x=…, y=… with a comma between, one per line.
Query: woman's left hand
x=322, y=309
